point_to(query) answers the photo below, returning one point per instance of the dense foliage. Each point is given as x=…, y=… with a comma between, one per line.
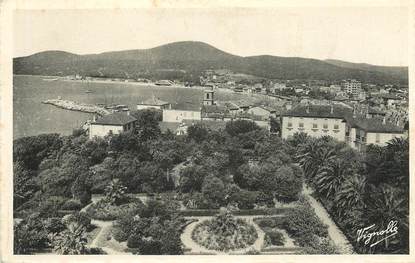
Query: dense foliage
x=242, y=166
x=360, y=189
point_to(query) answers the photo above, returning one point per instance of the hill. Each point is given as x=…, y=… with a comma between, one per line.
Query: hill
x=186, y=60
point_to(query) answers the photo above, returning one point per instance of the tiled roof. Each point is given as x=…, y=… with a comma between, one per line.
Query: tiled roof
x=117, y=118
x=388, y=96
x=374, y=125
x=214, y=109
x=319, y=111
x=186, y=107
x=376, y=111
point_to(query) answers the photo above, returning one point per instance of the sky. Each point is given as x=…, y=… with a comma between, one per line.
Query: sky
x=375, y=35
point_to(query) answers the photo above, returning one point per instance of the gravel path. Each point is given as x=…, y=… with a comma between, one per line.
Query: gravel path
x=334, y=232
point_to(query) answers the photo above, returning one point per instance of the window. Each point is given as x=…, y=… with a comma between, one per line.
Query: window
x=301, y=125
x=315, y=126
x=325, y=126
x=290, y=124
x=377, y=137
x=336, y=126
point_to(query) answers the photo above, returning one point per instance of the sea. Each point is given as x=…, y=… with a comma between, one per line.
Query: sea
x=31, y=117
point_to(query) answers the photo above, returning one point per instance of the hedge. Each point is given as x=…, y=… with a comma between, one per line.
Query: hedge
x=243, y=212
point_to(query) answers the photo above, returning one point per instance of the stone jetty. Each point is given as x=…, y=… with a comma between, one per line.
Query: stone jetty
x=75, y=106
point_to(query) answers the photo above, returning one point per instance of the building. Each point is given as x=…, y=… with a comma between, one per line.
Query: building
x=153, y=103
x=182, y=112
x=263, y=111
x=315, y=120
x=341, y=123
x=208, y=97
x=353, y=88
x=362, y=132
x=113, y=123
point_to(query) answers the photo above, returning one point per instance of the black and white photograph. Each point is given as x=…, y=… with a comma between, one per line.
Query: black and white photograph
x=248, y=130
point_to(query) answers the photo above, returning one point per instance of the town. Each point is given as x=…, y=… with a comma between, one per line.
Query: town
x=347, y=111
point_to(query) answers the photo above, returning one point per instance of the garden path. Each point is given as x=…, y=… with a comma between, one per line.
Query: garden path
x=188, y=242
x=101, y=239
x=334, y=232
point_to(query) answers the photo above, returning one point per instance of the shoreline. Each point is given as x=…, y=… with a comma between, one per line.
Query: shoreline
x=74, y=106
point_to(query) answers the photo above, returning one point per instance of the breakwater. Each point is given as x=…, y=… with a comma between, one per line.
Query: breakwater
x=75, y=106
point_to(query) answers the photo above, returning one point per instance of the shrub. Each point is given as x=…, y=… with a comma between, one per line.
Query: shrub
x=276, y=238
x=304, y=225
x=118, y=234
x=102, y=210
x=244, y=199
x=79, y=218
x=321, y=246
x=72, y=204
x=54, y=225
x=51, y=205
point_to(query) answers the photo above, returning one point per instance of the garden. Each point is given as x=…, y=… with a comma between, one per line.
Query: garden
x=243, y=168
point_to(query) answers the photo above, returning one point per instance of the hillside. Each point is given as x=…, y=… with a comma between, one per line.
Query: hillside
x=364, y=66
x=186, y=60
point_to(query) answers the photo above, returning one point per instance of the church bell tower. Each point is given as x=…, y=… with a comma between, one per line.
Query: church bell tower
x=208, y=97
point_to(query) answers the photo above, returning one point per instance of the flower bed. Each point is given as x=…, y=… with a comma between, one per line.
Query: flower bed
x=224, y=233
x=102, y=210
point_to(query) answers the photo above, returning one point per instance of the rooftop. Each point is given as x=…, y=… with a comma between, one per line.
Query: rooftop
x=117, y=118
x=319, y=111
x=214, y=109
x=374, y=125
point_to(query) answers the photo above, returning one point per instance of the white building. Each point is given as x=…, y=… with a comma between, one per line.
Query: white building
x=354, y=88
x=182, y=113
x=315, y=120
x=153, y=103
x=113, y=123
x=339, y=122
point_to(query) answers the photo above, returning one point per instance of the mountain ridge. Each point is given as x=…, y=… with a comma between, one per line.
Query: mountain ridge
x=186, y=60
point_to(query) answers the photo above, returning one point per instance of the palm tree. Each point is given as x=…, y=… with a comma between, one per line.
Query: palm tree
x=386, y=203
x=350, y=195
x=330, y=177
x=312, y=157
x=71, y=241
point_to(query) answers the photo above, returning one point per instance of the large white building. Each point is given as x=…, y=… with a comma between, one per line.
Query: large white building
x=339, y=122
x=354, y=88
x=113, y=123
x=315, y=120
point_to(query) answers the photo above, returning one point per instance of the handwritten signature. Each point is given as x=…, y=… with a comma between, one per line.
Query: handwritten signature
x=365, y=235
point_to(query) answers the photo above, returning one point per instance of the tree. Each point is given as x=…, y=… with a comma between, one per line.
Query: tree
x=244, y=199
x=275, y=125
x=191, y=178
x=213, y=190
x=197, y=132
x=237, y=127
x=312, y=156
x=350, y=195
x=115, y=192
x=147, y=124
x=383, y=204
x=330, y=177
